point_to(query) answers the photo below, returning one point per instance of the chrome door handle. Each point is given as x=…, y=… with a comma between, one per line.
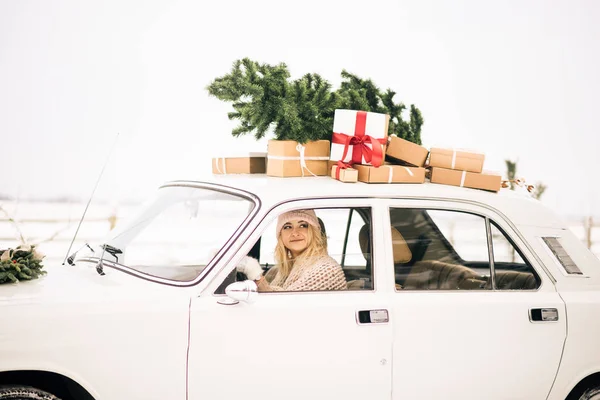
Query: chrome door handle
x=380, y=316
x=543, y=315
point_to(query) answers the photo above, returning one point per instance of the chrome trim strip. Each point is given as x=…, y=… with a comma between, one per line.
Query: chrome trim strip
x=488, y=231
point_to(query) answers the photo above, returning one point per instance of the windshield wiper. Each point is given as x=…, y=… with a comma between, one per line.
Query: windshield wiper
x=71, y=258
x=113, y=251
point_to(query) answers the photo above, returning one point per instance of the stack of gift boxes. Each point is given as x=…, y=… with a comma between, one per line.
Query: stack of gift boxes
x=360, y=150
x=446, y=166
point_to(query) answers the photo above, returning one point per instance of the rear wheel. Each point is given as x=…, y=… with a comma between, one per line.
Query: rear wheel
x=24, y=393
x=591, y=393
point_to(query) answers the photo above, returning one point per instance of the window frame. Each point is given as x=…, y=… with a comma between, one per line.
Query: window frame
x=491, y=216
x=202, y=277
x=265, y=220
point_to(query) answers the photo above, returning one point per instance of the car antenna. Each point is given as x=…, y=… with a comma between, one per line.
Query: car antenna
x=70, y=259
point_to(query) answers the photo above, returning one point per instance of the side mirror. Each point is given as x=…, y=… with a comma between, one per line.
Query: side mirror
x=245, y=291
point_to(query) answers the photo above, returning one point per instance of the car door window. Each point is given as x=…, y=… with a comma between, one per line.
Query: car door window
x=347, y=233
x=348, y=236
x=343, y=233
x=448, y=250
x=433, y=240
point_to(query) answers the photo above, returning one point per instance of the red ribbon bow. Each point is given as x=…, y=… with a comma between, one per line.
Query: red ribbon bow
x=360, y=150
x=340, y=166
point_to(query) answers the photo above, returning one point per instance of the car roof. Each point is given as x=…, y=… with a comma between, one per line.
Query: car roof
x=519, y=207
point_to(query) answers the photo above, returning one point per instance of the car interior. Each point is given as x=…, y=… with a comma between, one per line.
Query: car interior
x=424, y=259
x=435, y=265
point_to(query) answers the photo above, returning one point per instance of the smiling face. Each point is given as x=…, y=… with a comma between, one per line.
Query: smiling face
x=295, y=236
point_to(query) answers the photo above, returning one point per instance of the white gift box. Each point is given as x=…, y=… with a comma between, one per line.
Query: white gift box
x=355, y=132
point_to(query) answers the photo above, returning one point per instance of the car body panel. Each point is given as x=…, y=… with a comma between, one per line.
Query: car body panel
x=256, y=337
x=115, y=333
x=104, y=332
x=456, y=338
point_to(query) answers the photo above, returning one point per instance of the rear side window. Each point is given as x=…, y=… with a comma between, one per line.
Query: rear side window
x=512, y=271
x=562, y=256
x=450, y=250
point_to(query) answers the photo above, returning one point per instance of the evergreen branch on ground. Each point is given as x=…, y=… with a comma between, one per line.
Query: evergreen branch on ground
x=21, y=263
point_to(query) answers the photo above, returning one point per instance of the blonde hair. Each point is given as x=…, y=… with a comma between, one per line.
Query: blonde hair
x=317, y=246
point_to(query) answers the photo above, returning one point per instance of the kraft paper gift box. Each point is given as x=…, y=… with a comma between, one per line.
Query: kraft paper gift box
x=288, y=158
x=359, y=137
x=461, y=160
x=254, y=163
x=474, y=180
x=401, y=151
x=390, y=174
x=348, y=174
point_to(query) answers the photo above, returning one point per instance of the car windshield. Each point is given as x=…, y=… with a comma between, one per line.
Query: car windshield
x=178, y=232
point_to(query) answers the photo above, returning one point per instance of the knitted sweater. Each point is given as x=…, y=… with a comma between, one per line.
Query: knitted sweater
x=321, y=273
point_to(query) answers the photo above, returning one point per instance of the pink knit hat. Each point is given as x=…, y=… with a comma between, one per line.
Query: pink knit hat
x=304, y=215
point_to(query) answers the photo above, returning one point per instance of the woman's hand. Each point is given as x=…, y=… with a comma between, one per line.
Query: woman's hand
x=250, y=267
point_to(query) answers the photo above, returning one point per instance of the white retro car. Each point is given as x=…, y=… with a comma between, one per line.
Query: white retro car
x=452, y=293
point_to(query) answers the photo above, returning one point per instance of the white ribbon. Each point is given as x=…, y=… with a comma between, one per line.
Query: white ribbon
x=313, y=158
x=462, y=178
x=300, y=149
x=217, y=165
x=453, y=159
x=391, y=172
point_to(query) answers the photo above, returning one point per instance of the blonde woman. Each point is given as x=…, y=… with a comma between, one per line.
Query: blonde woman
x=301, y=255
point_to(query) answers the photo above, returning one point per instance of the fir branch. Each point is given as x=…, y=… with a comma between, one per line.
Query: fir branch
x=416, y=122
x=265, y=99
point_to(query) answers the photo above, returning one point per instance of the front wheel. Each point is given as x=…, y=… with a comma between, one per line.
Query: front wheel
x=24, y=393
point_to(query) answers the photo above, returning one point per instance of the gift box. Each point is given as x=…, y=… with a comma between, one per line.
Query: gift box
x=359, y=137
x=456, y=159
x=390, y=174
x=401, y=151
x=288, y=158
x=484, y=181
x=254, y=163
x=344, y=173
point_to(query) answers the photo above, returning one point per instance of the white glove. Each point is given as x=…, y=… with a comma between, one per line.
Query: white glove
x=250, y=267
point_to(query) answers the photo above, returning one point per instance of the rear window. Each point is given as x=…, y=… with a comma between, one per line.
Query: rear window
x=562, y=256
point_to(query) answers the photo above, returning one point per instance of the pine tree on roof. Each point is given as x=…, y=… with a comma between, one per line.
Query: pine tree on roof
x=264, y=98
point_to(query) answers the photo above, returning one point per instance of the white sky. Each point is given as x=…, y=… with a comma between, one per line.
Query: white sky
x=514, y=79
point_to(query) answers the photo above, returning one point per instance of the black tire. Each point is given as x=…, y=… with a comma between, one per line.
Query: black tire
x=24, y=393
x=592, y=393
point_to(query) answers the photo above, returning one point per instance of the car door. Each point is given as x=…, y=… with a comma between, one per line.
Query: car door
x=294, y=345
x=474, y=314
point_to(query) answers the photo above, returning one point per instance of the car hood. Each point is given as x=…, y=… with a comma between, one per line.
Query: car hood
x=64, y=283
